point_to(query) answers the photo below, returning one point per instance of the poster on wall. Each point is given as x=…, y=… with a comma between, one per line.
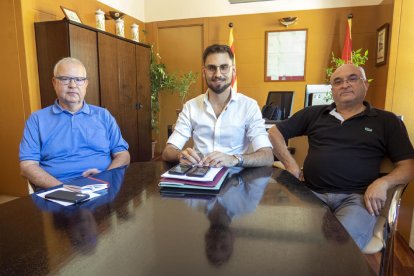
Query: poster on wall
x=285, y=55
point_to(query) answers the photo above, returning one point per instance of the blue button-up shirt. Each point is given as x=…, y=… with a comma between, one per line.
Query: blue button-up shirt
x=66, y=144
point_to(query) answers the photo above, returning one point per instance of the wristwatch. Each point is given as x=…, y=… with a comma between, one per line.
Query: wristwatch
x=240, y=159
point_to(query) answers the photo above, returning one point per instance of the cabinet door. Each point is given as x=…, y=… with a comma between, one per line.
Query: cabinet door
x=144, y=102
x=83, y=46
x=52, y=43
x=117, y=73
x=128, y=96
x=59, y=39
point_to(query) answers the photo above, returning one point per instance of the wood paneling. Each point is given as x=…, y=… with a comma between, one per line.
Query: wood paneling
x=128, y=96
x=57, y=40
x=83, y=46
x=108, y=72
x=144, y=101
x=53, y=46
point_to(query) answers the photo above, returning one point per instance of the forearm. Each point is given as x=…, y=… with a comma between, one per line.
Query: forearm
x=280, y=149
x=119, y=159
x=261, y=157
x=36, y=175
x=401, y=174
x=171, y=153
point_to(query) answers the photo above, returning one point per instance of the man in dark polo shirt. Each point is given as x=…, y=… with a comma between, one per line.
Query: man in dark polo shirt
x=347, y=142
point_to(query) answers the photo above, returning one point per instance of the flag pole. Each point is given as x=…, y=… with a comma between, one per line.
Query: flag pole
x=347, y=49
x=231, y=45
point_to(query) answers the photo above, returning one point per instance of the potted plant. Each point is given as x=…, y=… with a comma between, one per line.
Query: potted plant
x=357, y=59
x=161, y=80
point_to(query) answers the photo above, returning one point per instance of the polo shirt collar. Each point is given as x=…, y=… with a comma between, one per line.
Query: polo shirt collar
x=369, y=111
x=56, y=108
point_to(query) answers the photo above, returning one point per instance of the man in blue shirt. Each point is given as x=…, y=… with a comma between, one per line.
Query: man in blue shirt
x=70, y=138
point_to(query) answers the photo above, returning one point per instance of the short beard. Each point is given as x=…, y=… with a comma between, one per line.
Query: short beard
x=220, y=89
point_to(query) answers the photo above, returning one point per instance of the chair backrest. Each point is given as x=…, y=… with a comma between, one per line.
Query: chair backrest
x=387, y=258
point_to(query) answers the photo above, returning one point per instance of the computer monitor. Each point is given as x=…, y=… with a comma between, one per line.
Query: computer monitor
x=284, y=99
x=316, y=94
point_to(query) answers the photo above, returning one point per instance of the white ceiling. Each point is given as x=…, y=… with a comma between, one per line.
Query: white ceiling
x=161, y=10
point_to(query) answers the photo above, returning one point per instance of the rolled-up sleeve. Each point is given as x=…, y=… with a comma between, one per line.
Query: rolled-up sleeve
x=256, y=131
x=183, y=128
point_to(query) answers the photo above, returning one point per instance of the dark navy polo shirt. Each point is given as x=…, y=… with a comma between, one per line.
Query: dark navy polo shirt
x=345, y=157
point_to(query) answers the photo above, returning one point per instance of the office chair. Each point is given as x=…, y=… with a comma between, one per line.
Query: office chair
x=384, y=230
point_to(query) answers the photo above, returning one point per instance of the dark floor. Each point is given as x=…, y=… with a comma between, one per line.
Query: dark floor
x=403, y=258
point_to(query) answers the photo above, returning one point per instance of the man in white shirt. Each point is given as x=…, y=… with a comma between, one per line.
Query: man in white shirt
x=227, y=127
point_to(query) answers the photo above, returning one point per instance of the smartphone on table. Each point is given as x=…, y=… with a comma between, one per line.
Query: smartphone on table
x=180, y=169
x=197, y=171
x=67, y=196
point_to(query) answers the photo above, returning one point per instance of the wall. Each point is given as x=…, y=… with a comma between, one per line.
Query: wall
x=13, y=107
x=184, y=9
x=399, y=98
x=134, y=8
x=326, y=31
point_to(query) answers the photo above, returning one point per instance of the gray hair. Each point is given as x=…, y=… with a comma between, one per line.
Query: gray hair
x=362, y=72
x=65, y=61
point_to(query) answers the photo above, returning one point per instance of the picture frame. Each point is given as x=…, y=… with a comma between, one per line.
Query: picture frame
x=382, y=45
x=71, y=15
x=285, y=55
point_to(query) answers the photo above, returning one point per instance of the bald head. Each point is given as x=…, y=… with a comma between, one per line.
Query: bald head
x=348, y=68
x=68, y=60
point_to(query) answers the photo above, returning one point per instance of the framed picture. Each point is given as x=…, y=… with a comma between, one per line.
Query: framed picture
x=285, y=55
x=382, y=44
x=71, y=15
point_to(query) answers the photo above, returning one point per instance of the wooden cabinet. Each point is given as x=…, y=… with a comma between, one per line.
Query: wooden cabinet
x=118, y=72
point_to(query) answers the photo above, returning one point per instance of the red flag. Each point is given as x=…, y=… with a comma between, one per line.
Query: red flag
x=231, y=44
x=347, y=50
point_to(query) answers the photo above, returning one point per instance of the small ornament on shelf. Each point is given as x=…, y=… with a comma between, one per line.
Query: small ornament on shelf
x=100, y=19
x=120, y=27
x=135, y=32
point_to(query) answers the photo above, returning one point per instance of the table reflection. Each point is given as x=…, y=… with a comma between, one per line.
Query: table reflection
x=80, y=221
x=240, y=195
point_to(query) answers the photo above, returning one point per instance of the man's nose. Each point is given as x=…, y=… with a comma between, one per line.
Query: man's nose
x=217, y=72
x=72, y=83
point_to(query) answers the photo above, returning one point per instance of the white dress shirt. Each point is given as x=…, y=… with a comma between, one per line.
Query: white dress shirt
x=239, y=126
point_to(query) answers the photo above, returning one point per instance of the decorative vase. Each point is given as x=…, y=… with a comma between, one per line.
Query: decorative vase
x=135, y=32
x=100, y=20
x=120, y=27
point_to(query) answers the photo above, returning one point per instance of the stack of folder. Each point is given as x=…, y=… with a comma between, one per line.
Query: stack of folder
x=212, y=181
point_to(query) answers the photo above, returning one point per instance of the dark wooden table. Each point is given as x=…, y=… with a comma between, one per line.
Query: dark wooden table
x=263, y=222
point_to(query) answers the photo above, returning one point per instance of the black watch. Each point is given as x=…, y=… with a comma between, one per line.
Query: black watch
x=240, y=159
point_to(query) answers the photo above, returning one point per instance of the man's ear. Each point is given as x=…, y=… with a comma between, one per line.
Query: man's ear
x=54, y=80
x=366, y=83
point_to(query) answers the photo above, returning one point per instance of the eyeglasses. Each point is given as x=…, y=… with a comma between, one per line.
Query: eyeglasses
x=66, y=80
x=224, y=68
x=351, y=80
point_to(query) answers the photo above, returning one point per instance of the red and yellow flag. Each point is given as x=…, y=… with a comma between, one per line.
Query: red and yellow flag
x=347, y=50
x=231, y=44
